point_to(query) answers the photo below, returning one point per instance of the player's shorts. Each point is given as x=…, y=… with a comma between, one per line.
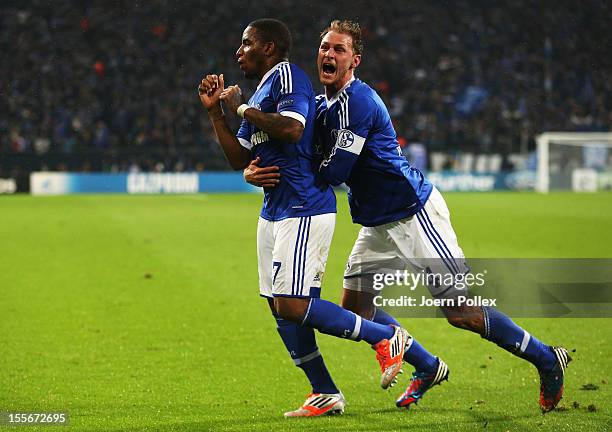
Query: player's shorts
x=425, y=242
x=292, y=254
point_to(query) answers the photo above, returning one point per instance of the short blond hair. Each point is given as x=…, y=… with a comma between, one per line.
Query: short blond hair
x=350, y=28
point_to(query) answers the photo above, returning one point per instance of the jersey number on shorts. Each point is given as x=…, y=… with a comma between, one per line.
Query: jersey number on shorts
x=275, y=265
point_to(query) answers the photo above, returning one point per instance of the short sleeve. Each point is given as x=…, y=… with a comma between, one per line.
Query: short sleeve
x=294, y=93
x=244, y=135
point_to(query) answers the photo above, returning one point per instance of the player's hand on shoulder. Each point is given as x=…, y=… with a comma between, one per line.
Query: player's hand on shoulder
x=210, y=90
x=267, y=177
x=232, y=96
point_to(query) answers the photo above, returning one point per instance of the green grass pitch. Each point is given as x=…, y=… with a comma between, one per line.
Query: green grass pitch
x=142, y=313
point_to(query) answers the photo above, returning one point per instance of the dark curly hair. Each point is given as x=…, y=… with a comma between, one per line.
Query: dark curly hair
x=273, y=30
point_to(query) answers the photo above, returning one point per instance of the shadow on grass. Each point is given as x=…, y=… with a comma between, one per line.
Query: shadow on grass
x=454, y=418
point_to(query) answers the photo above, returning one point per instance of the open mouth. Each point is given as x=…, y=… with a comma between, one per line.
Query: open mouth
x=328, y=69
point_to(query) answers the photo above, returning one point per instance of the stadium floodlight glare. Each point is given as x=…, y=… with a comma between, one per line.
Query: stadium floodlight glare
x=578, y=161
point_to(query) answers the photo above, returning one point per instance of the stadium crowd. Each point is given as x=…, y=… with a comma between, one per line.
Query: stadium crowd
x=111, y=86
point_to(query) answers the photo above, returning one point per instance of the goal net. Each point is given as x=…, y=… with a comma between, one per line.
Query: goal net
x=577, y=161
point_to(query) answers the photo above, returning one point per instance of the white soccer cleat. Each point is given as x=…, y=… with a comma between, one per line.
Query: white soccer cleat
x=390, y=353
x=320, y=404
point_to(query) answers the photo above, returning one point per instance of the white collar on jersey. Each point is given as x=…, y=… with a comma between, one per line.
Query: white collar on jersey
x=337, y=95
x=270, y=72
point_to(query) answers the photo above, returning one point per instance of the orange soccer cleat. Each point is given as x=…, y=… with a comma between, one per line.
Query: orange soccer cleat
x=390, y=353
x=320, y=404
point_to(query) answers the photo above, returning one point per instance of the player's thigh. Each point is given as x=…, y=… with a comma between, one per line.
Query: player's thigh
x=300, y=254
x=435, y=234
x=265, y=249
x=427, y=242
x=373, y=254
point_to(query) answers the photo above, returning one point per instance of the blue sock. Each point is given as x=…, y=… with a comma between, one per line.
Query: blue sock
x=505, y=333
x=331, y=319
x=420, y=358
x=415, y=355
x=382, y=317
x=302, y=346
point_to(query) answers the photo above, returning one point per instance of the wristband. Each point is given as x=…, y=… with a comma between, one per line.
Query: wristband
x=241, y=109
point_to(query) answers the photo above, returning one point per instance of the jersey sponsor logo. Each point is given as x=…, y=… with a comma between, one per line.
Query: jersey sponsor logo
x=346, y=138
x=259, y=138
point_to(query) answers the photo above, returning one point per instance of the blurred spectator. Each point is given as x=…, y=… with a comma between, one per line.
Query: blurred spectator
x=416, y=153
x=111, y=86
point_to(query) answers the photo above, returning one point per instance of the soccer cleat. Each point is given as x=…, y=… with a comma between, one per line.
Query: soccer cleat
x=389, y=353
x=420, y=383
x=551, y=383
x=320, y=404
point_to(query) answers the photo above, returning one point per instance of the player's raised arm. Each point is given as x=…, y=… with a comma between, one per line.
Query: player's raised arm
x=277, y=125
x=210, y=90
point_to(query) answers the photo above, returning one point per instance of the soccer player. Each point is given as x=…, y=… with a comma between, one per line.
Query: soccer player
x=405, y=221
x=297, y=219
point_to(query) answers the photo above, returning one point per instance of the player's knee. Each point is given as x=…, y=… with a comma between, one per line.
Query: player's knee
x=271, y=306
x=464, y=318
x=291, y=309
x=284, y=310
x=364, y=311
x=457, y=321
x=348, y=304
x=359, y=303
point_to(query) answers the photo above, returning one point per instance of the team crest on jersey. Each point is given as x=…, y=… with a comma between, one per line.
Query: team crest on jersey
x=346, y=138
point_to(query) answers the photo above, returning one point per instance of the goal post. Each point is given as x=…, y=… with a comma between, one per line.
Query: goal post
x=578, y=161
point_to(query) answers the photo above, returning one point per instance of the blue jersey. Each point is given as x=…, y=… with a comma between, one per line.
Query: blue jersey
x=355, y=132
x=286, y=89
